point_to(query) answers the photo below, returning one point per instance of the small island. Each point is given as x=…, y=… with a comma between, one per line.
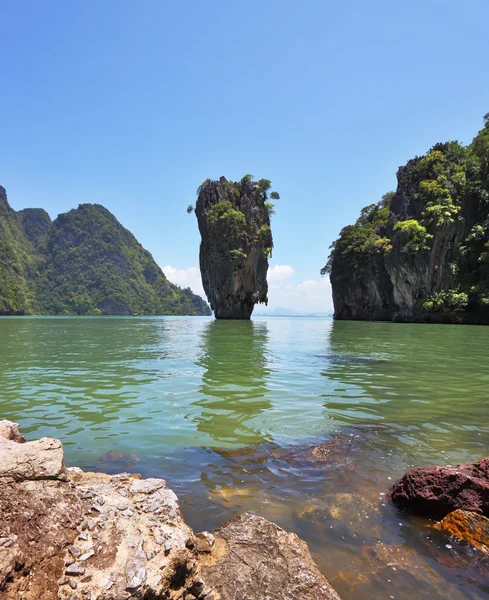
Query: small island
x=234, y=222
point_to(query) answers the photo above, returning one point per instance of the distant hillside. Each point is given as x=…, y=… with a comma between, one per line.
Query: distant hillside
x=85, y=262
x=17, y=263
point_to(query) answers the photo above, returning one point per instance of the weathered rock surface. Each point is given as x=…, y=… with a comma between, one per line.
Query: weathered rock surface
x=70, y=535
x=284, y=570
x=40, y=459
x=468, y=526
x=234, y=223
x=437, y=491
x=10, y=431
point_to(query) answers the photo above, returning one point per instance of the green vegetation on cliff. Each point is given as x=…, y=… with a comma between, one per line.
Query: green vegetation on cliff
x=85, y=262
x=18, y=265
x=228, y=222
x=422, y=253
x=234, y=222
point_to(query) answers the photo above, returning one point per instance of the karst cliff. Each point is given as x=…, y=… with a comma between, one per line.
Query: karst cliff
x=421, y=253
x=234, y=223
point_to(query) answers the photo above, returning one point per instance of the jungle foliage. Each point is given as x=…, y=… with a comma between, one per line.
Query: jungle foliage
x=441, y=195
x=84, y=263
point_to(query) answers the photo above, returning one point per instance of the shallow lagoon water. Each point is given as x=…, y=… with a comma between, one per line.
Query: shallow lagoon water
x=227, y=412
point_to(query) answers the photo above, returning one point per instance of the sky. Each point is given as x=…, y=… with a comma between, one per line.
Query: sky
x=133, y=104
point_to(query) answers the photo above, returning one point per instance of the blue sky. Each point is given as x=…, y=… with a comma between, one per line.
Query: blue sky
x=133, y=104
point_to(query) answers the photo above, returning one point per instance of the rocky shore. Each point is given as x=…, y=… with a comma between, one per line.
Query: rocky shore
x=70, y=535
x=458, y=495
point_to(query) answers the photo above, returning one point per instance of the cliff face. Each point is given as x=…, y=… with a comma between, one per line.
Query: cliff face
x=422, y=253
x=234, y=222
x=85, y=262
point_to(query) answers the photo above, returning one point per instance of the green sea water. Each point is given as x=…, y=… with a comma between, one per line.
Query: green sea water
x=226, y=410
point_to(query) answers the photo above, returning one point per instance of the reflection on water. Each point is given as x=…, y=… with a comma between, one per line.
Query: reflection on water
x=227, y=412
x=432, y=387
x=233, y=390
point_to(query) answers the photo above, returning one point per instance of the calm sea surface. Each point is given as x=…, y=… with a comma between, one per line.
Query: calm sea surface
x=227, y=412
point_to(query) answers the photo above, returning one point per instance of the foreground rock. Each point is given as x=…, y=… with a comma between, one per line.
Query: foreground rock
x=70, y=535
x=285, y=568
x=234, y=222
x=467, y=526
x=436, y=491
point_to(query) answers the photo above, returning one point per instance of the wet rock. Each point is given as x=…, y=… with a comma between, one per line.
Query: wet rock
x=335, y=451
x=468, y=526
x=356, y=360
x=123, y=459
x=230, y=495
x=254, y=558
x=436, y=491
x=356, y=512
x=400, y=566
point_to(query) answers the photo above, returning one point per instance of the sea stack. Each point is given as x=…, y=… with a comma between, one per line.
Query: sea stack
x=234, y=222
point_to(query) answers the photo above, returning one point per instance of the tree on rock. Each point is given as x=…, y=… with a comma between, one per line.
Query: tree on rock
x=234, y=223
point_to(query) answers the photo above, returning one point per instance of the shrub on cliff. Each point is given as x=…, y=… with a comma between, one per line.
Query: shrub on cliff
x=234, y=222
x=429, y=241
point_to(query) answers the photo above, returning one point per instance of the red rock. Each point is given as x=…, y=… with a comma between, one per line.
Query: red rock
x=437, y=491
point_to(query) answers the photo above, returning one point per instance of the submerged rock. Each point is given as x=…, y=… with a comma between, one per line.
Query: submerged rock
x=120, y=537
x=119, y=459
x=436, y=491
x=467, y=526
x=356, y=360
x=282, y=567
x=234, y=222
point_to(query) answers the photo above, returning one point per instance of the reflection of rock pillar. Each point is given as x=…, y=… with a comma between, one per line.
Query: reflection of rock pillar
x=234, y=383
